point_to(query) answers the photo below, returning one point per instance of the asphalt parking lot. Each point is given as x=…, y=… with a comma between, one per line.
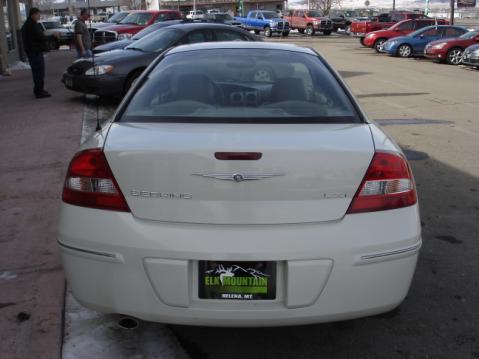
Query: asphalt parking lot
x=431, y=110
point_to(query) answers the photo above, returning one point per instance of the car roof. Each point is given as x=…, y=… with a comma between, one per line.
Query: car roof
x=188, y=26
x=241, y=45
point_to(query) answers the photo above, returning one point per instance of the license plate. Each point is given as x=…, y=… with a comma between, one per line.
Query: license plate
x=68, y=82
x=237, y=280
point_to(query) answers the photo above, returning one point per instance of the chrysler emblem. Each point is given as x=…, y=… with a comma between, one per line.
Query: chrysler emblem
x=237, y=177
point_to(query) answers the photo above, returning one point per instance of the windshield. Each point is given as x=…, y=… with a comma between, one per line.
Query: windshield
x=233, y=85
x=269, y=15
x=156, y=41
x=314, y=13
x=146, y=31
x=137, y=18
x=420, y=31
x=116, y=18
x=469, y=35
x=52, y=25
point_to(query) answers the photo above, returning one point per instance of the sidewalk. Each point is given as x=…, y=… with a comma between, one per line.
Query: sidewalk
x=37, y=140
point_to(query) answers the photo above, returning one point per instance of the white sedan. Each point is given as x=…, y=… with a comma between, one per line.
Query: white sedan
x=240, y=184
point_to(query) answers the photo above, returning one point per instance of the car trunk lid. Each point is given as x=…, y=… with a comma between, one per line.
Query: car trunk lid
x=307, y=173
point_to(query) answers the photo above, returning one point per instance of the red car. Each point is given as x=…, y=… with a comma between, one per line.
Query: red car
x=376, y=39
x=383, y=21
x=450, y=50
x=132, y=24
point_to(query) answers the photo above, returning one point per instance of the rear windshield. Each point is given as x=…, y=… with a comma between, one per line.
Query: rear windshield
x=241, y=86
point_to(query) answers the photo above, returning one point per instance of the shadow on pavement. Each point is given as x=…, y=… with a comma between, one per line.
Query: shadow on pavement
x=439, y=317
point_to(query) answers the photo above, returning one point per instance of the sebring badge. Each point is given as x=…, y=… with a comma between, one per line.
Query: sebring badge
x=237, y=177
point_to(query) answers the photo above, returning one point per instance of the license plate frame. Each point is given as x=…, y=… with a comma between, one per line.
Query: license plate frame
x=237, y=280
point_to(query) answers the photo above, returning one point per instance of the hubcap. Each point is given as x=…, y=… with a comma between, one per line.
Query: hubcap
x=380, y=45
x=455, y=57
x=404, y=51
x=309, y=30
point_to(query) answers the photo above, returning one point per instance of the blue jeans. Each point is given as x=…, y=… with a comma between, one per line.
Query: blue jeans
x=88, y=53
x=37, y=64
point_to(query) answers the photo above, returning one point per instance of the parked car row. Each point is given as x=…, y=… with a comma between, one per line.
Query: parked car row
x=430, y=38
x=111, y=73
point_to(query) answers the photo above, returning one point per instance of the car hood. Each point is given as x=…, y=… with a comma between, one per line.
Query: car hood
x=473, y=48
x=120, y=56
x=120, y=28
x=115, y=45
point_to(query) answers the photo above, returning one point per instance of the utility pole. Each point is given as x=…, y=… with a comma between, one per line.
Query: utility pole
x=394, y=5
x=451, y=20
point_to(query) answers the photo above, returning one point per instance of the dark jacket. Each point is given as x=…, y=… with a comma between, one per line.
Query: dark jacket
x=34, y=40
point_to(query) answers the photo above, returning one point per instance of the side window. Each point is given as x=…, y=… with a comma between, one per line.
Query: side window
x=225, y=35
x=431, y=32
x=406, y=26
x=253, y=15
x=397, y=17
x=197, y=36
x=384, y=18
x=453, y=32
x=422, y=23
x=300, y=14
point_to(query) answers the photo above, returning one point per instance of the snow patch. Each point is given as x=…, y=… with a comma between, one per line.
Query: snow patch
x=89, y=334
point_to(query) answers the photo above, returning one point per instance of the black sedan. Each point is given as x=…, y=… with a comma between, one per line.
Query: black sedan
x=112, y=73
x=121, y=44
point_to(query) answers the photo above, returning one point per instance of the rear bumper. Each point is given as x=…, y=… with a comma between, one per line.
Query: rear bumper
x=358, y=266
x=103, y=85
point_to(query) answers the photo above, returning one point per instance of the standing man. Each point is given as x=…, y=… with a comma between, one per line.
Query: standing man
x=82, y=35
x=35, y=43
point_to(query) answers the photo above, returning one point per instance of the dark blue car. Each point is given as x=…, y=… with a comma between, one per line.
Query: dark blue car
x=121, y=44
x=414, y=43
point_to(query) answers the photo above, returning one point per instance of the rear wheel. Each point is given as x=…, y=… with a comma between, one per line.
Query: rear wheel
x=348, y=30
x=378, y=45
x=301, y=31
x=454, y=56
x=310, y=30
x=285, y=33
x=327, y=32
x=405, y=50
x=267, y=31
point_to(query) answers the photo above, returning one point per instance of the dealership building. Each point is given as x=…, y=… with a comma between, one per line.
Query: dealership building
x=232, y=6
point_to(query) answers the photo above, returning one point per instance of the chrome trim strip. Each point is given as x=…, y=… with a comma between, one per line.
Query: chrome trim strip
x=393, y=252
x=88, y=251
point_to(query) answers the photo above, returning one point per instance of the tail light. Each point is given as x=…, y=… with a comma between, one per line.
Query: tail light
x=90, y=183
x=388, y=184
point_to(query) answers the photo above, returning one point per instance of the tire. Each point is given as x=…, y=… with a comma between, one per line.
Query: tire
x=348, y=29
x=257, y=32
x=361, y=41
x=301, y=31
x=454, y=56
x=285, y=33
x=310, y=30
x=404, y=51
x=378, y=45
x=327, y=32
x=267, y=31
x=131, y=79
x=52, y=45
